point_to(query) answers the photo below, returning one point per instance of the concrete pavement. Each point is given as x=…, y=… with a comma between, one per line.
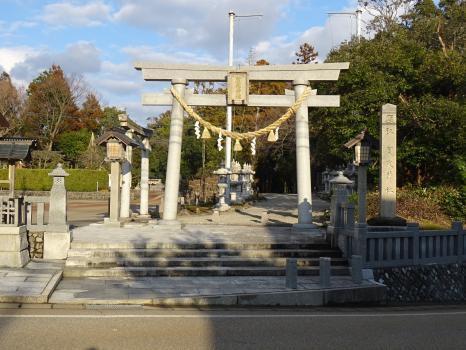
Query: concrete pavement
x=342, y=328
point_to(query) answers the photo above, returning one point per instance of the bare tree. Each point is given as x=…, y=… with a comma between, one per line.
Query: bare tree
x=11, y=105
x=385, y=13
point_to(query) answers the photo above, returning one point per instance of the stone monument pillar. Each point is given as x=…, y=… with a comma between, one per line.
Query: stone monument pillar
x=303, y=160
x=172, y=182
x=144, y=196
x=126, y=185
x=388, y=161
x=57, y=238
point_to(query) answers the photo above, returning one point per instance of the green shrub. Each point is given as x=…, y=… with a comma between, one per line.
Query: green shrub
x=80, y=180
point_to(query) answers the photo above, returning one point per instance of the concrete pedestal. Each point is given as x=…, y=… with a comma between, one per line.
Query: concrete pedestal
x=56, y=245
x=13, y=246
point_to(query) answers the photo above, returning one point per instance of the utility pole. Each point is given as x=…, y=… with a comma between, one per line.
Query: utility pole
x=356, y=14
x=232, y=16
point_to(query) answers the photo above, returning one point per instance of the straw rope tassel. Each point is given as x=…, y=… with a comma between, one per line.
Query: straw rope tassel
x=237, y=146
x=205, y=134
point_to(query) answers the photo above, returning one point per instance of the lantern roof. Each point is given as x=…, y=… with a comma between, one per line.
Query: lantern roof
x=361, y=137
x=59, y=171
x=116, y=133
x=341, y=179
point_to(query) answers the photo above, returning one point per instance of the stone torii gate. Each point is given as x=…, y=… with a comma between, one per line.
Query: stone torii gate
x=238, y=94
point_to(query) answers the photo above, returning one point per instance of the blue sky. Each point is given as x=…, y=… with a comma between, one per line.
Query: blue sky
x=99, y=40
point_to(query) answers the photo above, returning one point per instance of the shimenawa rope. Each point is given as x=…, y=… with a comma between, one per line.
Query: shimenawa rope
x=246, y=135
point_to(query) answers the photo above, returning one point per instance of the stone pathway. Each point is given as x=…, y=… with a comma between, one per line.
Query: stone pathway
x=282, y=210
x=32, y=284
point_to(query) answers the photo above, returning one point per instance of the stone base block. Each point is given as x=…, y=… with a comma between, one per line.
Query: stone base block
x=171, y=223
x=14, y=259
x=56, y=245
x=222, y=207
x=13, y=246
x=309, y=230
x=111, y=223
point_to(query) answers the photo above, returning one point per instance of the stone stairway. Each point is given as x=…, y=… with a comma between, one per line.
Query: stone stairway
x=152, y=259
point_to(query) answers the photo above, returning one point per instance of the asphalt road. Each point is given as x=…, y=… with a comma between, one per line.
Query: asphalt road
x=349, y=328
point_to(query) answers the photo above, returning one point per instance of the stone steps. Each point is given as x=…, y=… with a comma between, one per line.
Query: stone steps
x=212, y=271
x=110, y=262
x=139, y=258
x=202, y=253
x=154, y=245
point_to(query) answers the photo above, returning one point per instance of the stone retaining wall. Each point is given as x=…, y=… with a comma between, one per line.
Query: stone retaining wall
x=36, y=244
x=424, y=283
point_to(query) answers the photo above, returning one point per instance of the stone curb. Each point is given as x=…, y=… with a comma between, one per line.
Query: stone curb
x=33, y=299
x=373, y=294
x=349, y=296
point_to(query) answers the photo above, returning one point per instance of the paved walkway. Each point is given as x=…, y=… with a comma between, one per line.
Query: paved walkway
x=32, y=284
x=282, y=210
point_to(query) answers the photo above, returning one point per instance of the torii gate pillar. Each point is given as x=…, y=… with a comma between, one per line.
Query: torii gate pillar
x=303, y=160
x=172, y=180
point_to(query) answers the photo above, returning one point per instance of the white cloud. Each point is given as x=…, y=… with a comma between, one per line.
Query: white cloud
x=78, y=58
x=167, y=55
x=10, y=56
x=68, y=14
x=203, y=23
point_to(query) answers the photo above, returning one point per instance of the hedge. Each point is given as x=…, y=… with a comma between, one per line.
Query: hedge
x=80, y=180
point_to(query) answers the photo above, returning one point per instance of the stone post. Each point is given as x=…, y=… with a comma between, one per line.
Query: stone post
x=362, y=193
x=291, y=273
x=388, y=161
x=126, y=177
x=11, y=178
x=360, y=241
x=57, y=237
x=325, y=271
x=303, y=160
x=172, y=182
x=114, y=212
x=144, y=196
x=356, y=268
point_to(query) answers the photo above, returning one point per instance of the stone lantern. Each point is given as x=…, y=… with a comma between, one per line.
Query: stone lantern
x=223, y=175
x=116, y=142
x=362, y=146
